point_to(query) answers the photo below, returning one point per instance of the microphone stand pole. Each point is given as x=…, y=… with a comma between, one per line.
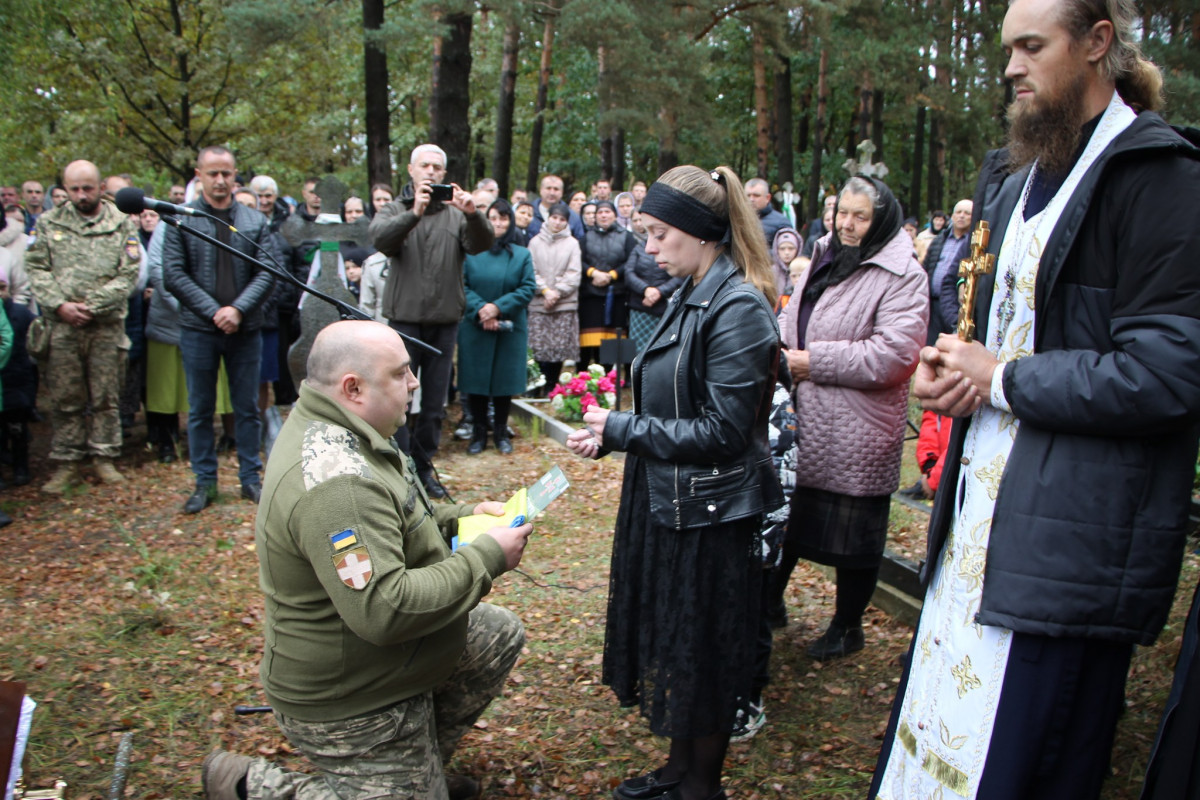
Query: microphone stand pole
x=346, y=310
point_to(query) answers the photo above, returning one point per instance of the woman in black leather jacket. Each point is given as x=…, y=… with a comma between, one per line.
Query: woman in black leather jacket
x=685, y=581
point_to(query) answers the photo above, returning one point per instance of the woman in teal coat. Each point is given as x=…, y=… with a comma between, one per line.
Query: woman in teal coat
x=493, y=336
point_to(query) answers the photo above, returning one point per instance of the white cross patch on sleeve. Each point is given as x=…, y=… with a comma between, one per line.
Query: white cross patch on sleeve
x=354, y=568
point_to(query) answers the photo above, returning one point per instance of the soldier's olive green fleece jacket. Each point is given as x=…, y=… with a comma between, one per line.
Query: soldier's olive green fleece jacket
x=366, y=605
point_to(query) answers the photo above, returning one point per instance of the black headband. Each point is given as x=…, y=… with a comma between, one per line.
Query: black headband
x=683, y=211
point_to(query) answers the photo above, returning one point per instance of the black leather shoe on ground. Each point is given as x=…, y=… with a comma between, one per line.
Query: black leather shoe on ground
x=461, y=787
x=644, y=787
x=200, y=499
x=432, y=487
x=675, y=794
x=504, y=446
x=252, y=491
x=836, y=642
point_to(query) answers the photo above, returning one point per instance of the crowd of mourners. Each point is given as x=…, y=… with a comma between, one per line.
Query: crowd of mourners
x=1057, y=363
x=579, y=269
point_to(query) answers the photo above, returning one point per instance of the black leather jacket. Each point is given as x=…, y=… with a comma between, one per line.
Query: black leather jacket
x=702, y=397
x=189, y=269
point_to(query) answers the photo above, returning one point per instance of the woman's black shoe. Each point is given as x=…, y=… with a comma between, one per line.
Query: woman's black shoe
x=504, y=446
x=837, y=641
x=478, y=440
x=644, y=787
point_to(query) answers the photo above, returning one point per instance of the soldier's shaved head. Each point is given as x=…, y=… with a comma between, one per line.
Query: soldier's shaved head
x=81, y=179
x=82, y=170
x=364, y=367
x=344, y=347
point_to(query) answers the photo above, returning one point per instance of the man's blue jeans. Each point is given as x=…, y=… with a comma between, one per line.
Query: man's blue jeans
x=202, y=353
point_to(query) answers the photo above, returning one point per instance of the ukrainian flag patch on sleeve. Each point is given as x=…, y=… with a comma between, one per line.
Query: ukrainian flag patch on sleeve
x=342, y=541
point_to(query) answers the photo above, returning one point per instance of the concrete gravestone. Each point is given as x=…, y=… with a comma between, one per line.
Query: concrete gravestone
x=328, y=230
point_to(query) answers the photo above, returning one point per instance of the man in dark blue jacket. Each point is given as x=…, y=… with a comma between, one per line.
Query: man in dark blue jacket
x=758, y=192
x=551, y=191
x=1057, y=544
x=221, y=298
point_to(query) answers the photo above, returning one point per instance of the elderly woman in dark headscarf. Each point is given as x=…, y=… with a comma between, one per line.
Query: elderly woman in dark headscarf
x=852, y=333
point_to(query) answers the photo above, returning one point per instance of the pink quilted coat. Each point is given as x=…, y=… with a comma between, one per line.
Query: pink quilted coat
x=864, y=338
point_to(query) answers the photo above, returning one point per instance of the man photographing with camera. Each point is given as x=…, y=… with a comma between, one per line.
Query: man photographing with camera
x=426, y=240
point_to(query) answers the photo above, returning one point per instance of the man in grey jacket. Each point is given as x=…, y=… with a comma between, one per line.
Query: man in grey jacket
x=220, y=319
x=426, y=241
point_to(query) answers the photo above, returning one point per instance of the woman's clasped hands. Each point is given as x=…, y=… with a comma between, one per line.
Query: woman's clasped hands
x=588, y=441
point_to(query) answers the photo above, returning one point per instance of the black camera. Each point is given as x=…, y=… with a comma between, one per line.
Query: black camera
x=440, y=192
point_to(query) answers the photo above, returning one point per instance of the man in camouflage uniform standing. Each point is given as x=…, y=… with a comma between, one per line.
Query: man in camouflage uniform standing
x=379, y=655
x=82, y=267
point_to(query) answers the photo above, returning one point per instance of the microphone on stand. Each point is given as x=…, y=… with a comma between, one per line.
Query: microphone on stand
x=134, y=201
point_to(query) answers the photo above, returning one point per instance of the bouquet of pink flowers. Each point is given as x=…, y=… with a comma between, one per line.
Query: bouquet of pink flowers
x=575, y=392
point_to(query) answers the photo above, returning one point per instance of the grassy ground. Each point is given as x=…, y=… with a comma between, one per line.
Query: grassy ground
x=123, y=615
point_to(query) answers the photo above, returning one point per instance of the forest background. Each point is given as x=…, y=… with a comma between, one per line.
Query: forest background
x=512, y=90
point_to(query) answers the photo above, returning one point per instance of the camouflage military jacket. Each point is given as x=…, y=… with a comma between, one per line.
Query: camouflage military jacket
x=90, y=260
x=366, y=605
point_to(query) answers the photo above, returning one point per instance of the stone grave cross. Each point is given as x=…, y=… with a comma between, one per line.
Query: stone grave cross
x=862, y=165
x=327, y=232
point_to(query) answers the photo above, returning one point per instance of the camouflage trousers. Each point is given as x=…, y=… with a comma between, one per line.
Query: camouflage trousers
x=398, y=752
x=85, y=366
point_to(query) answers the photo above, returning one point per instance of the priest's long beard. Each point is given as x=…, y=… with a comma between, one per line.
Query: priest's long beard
x=1047, y=129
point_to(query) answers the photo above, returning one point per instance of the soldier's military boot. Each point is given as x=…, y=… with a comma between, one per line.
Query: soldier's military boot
x=64, y=477
x=106, y=472
x=221, y=773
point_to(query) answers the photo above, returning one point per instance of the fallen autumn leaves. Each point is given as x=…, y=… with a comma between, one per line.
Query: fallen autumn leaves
x=123, y=614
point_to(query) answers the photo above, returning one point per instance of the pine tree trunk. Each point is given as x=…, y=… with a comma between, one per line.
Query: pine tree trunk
x=877, y=123
x=918, y=162
x=375, y=79
x=784, y=168
x=606, y=131
x=814, y=180
x=864, y=114
x=802, y=129
x=450, y=98
x=539, y=120
x=762, y=109
x=618, y=160
x=502, y=157
x=934, y=189
x=668, y=155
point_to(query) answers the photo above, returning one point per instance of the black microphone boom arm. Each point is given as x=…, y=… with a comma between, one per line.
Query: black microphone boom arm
x=346, y=310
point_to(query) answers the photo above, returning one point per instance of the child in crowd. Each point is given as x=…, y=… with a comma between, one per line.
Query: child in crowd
x=781, y=430
x=354, y=257
x=795, y=271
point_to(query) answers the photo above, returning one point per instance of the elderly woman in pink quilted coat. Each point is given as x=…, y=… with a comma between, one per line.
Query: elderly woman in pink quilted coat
x=853, y=331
